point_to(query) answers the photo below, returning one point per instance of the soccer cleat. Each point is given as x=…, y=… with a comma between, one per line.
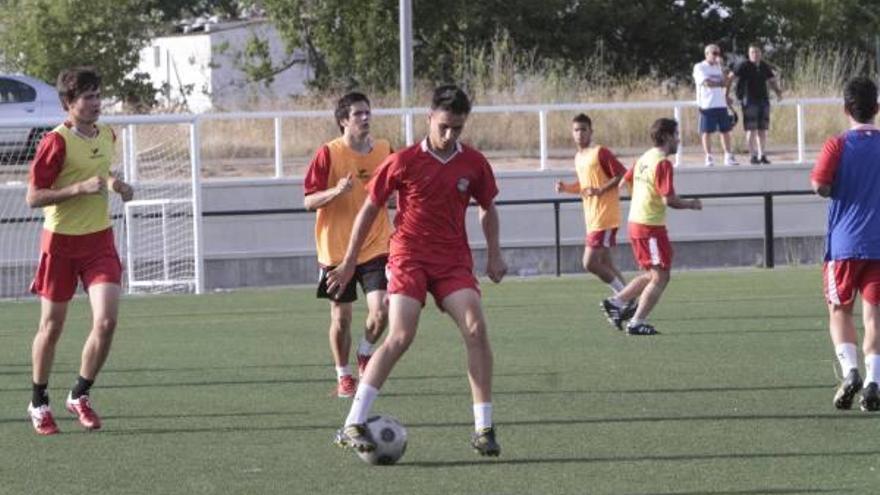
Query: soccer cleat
x=484, y=442
x=42, y=419
x=870, y=400
x=346, y=387
x=612, y=313
x=629, y=310
x=851, y=384
x=641, y=329
x=82, y=409
x=355, y=437
x=363, y=359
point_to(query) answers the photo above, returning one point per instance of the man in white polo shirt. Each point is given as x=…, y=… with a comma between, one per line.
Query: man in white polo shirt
x=712, y=86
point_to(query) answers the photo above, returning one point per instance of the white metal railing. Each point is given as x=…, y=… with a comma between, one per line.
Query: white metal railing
x=407, y=115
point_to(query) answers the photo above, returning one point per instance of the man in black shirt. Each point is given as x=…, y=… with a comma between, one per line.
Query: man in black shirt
x=752, y=78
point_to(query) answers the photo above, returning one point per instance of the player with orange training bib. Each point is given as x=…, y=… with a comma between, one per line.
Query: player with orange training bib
x=848, y=173
x=650, y=181
x=598, y=175
x=70, y=179
x=335, y=186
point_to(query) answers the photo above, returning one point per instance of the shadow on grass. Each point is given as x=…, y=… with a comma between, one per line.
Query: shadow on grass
x=663, y=391
x=653, y=458
x=272, y=381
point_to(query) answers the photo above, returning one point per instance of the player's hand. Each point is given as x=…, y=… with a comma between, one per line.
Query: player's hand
x=560, y=186
x=496, y=268
x=590, y=191
x=345, y=184
x=338, y=278
x=696, y=204
x=125, y=191
x=94, y=185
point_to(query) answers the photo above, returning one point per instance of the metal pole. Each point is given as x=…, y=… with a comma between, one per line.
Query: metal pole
x=769, y=261
x=131, y=150
x=279, y=160
x=196, y=161
x=542, y=129
x=801, y=132
x=558, y=241
x=406, y=66
x=676, y=112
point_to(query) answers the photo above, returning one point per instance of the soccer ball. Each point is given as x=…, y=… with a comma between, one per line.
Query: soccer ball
x=390, y=437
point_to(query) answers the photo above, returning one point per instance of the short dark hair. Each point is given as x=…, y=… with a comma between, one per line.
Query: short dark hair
x=756, y=46
x=582, y=118
x=662, y=130
x=451, y=98
x=860, y=99
x=75, y=81
x=343, y=106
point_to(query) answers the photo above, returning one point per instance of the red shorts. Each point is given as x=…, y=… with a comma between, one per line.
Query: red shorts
x=842, y=278
x=602, y=238
x=64, y=261
x=415, y=279
x=652, y=250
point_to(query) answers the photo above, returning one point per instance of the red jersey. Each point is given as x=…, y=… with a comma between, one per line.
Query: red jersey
x=432, y=199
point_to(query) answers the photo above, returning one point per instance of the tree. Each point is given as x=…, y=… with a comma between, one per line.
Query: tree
x=42, y=37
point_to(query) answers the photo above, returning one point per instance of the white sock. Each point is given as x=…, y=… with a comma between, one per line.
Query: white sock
x=872, y=368
x=848, y=357
x=617, y=285
x=361, y=404
x=634, y=322
x=342, y=371
x=365, y=348
x=482, y=415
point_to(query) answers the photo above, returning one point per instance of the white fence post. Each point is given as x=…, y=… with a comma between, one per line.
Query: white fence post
x=129, y=144
x=676, y=112
x=801, y=132
x=408, y=127
x=542, y=126
x=195, y=143
x=279, y=159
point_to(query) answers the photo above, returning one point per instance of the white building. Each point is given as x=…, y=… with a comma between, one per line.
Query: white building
x=201, y=69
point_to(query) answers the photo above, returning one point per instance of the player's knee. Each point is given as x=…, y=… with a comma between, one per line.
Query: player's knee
x=399, y=342
x=51, y=329
x=105, y=326
x=340, y=323
x=475, y=333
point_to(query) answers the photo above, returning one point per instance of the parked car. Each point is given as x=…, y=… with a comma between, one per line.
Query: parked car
x=25, y=97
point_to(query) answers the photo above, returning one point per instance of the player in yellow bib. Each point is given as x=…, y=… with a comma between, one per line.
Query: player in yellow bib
x=335, y=186
x=70, y=179
x=650, y=181
x=599, y=173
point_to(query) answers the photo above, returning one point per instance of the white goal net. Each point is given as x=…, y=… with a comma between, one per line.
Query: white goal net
x=156, y=233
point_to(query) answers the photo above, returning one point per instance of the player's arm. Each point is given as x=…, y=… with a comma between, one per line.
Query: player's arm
x=664, y=186
x=318, y=193
x=496, y=268
x=120, y=187
x=822, y=175
x=774, y=85
x=45, y=168
x=568, y=187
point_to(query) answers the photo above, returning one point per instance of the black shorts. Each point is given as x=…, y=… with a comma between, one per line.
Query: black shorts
x=370, y=274
x=756, y=116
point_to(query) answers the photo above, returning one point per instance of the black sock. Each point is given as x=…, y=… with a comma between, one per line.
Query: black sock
x=81, y=388
x=40, y=397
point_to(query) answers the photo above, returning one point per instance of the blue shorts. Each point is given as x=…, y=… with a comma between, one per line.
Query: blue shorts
x=715, y=120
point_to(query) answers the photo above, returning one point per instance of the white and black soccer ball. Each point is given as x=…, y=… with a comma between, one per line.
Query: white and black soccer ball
x=390, y=437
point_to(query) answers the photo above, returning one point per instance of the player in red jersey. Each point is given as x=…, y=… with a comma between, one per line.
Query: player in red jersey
x=70, y=179
x=434, y=180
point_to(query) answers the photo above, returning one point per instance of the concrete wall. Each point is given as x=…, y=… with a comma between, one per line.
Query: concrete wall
x=279, y=249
